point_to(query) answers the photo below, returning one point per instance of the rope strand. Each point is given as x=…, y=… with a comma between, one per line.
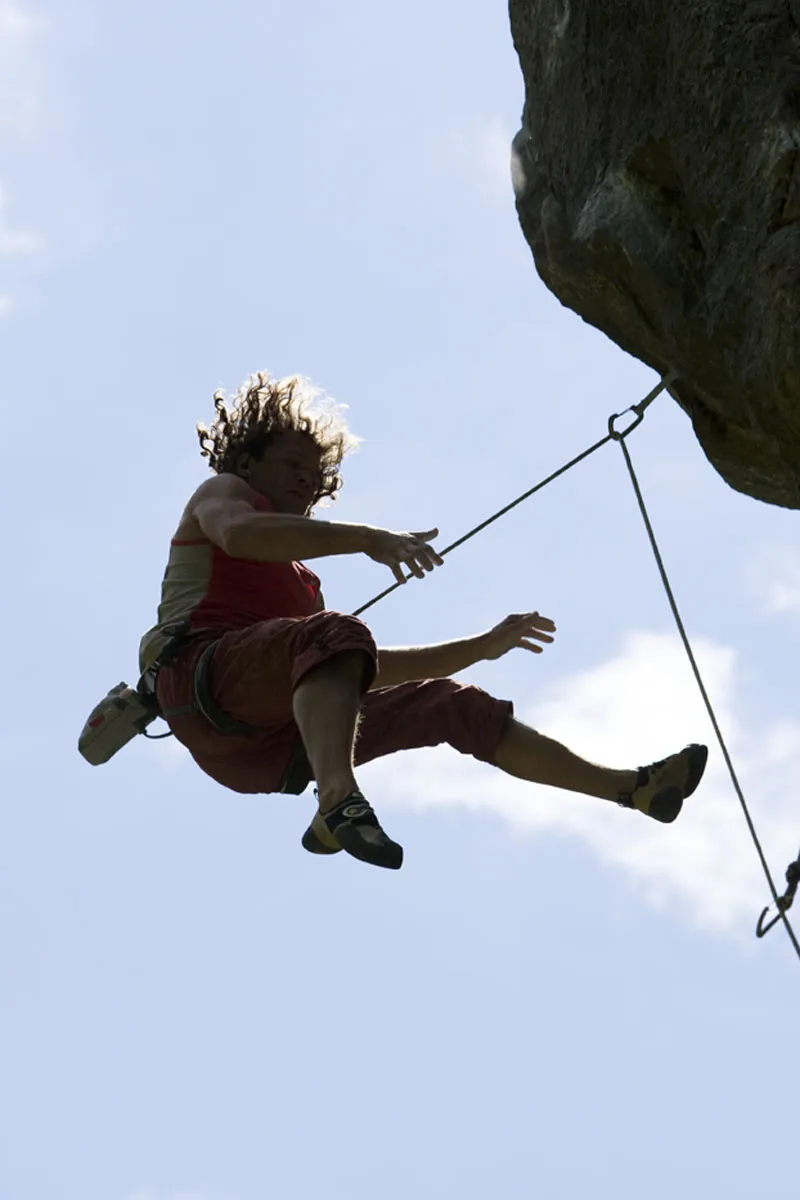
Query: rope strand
x=709, y=708
x=639, y=409
x=620, y=436
x=490, y=520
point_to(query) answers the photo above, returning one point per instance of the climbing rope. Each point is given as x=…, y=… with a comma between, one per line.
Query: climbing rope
x=639, y=409
x=782, y=903
x=779, y=903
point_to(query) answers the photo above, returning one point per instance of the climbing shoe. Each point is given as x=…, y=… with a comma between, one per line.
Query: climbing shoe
x=353, y=826
x=662, y=787
x=317, y=839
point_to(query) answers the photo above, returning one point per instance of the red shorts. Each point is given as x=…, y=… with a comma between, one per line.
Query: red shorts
x=254, y=672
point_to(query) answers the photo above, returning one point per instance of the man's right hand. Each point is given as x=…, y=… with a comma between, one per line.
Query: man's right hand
x=398, y=550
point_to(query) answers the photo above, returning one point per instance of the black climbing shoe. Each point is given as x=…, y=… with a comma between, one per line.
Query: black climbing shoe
x=353, y=826
x=662, y=787
x=317, y=839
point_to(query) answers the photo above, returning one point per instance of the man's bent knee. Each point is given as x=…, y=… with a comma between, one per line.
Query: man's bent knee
x=355, y=665
x=476, y=720
x=429, y=712
x=325, y=636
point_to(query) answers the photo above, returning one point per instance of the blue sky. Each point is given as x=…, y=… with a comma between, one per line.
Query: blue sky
x=553, y=997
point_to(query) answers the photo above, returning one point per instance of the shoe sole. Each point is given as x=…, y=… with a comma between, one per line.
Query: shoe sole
x=667, y=804
x=314, y=845
x=698, y=757
x=388, y=855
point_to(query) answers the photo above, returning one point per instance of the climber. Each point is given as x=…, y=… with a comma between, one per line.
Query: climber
x=269, y=690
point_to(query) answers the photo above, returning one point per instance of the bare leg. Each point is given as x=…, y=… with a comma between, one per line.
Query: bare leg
x=326, y=705
x=530, y=755
x=657, y=790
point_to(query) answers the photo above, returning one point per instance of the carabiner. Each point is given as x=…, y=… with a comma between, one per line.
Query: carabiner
x=640, y=408
x=761, y=928
x=615, y=434
x=784, y=901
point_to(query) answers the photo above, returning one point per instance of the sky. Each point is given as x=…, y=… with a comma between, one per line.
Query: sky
x=555, y=997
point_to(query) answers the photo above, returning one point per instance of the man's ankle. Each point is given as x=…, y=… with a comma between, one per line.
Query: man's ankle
x=626, y=785
x=334, y=794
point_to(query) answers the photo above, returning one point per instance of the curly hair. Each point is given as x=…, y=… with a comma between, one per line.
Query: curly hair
x=262, y=409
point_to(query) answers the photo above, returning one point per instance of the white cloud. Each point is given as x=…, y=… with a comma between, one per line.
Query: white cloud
x=16, y=24
x=775, y=579
x=482, y=152
x=15, y=241
x=21, y=72
x=22, y=96
x=632, y=709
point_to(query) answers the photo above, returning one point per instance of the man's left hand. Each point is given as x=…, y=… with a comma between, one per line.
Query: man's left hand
x=521, y=630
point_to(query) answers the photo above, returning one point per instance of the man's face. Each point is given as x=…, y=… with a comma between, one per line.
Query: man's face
x=288, y=473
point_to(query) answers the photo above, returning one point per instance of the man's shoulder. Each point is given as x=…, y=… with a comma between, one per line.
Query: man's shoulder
x=220, y=489
x=224, y=485
x=213, y=492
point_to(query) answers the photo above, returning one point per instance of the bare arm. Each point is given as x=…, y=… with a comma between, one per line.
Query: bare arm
x=403, y=664
x=521, y=630
x=224, y=510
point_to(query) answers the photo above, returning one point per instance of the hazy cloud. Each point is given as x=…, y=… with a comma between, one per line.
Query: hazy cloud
x=636, y=707
x=22, y=91
x=482, y=152
x=14, y=240
x=776, y=580
x=21, y=70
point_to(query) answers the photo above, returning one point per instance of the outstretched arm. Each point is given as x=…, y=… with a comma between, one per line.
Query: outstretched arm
x=224, y=509
x=402, y=665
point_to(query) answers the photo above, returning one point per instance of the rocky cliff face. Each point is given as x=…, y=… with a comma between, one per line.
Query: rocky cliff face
x=657, y=176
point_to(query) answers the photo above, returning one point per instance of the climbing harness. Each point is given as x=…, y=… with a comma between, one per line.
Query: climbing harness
x=297, y=774
x=296, y=781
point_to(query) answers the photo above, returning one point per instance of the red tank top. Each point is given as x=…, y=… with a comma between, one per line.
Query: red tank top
x=213, y=590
